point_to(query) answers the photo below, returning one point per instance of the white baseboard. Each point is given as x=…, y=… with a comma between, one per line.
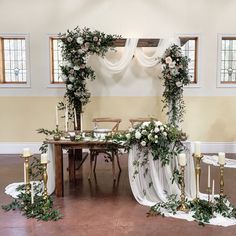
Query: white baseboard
x=206, y=147
x=17, y=148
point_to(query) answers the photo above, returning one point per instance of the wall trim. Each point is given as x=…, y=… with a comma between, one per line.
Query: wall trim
x=206, y=147
x=17, y=148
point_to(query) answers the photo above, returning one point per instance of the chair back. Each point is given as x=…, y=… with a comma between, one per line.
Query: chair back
x=113, y=122
x=135, y=121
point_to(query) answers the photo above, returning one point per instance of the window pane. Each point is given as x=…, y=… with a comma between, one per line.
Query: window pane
x=14, y=59
x=228, y=60
x=56, y=60
x=189, y=47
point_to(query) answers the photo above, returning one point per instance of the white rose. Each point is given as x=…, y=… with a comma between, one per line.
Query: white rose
x=69, y=39
x=158, y=123
x=156, y=141
x=164, y=133
x=137, y=135
x=144, y=132
x=155, y=136
x=143, y=143
x=131, y=130
x=161, y=128
x=179, y=84
x=156, y=130
x=80, y=51
x=128, y=136
x=76, y=68
x=145, y=124
x=172, y=64
x=95, y=38
x=149, y=136
x=79, y=40
x=168, y=60
x=69, y=86
x=72, y=79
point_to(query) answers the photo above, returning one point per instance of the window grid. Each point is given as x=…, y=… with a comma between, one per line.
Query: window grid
x=228, y=60
x=13, y=60
x=55, y=60
x=189, y=46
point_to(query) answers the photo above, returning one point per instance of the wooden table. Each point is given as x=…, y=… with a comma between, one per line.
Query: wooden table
x=67, y=144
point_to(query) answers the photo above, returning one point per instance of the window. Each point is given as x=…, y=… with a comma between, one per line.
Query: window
x=13, y=61
x=228, y=60
x=55, y=60
x=189, y=47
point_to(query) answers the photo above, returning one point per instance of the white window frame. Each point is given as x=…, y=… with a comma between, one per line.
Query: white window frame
x=27, y=51
x=219, y=48
x=49, y=83
x=199, y=55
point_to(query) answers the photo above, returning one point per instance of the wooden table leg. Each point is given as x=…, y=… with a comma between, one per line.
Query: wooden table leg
x=71, y=165
x=113, y=165
x=59, y=171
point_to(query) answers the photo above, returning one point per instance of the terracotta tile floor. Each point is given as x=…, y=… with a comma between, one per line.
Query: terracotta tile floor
x=101, y=207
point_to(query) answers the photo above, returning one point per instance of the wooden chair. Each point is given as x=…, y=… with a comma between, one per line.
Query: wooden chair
x=113, y=124
x=135, y=121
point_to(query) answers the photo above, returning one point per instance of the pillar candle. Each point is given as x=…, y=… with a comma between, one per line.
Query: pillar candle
x=209, y=177
x=44, y=158
x=32, y=193
x=81, y=122
x=182, y=159
x=75, y=117
x=56, y=115
x=26, y=152
x=197, y=148
x=213, y=190
x=221, y=158
x=66, y=119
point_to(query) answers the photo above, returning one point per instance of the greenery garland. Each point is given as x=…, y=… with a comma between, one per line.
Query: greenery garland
x=77, y=46
x=200, y=210
x=41, y=209
x=175, y=76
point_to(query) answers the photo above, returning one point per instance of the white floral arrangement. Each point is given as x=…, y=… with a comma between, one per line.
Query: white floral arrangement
x=175, y=75
x=163, y=140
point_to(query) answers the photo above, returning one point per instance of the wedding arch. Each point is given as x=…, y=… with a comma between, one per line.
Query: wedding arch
x=79, y=44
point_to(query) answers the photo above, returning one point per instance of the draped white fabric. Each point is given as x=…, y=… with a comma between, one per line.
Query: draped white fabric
x=160, y=177
x=131, y=50
x=117, y=67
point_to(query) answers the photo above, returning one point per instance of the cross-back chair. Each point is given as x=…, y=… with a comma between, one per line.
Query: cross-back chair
x=100, y=132
x=135, y=121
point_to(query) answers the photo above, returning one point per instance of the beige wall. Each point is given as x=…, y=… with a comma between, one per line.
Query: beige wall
x=207, y=118
x=136, y=91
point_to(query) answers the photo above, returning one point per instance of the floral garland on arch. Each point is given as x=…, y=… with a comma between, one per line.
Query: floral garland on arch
x=77, y=46
x=175, y=75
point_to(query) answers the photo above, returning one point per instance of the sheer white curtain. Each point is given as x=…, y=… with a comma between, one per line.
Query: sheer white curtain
x=116, y=67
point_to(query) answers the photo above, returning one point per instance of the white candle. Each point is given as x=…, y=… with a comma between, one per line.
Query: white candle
x=213, y=190
x=26, y=152
x=197, y=148
x=209, y=177
x=44, y=158
x=221, y=158
x=66, y=119
x=81, y=122
x=24, y=174
x=182, y=159
x=197, y=194
x=56, y=115
x=32, y=193
x=75, y=117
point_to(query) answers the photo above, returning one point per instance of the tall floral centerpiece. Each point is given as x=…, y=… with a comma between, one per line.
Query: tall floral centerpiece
x=77, y=46
x=175, y=75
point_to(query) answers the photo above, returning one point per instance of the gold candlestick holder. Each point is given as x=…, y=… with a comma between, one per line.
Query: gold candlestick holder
x=183, y=206
x=198, y=159
x=45, y=180
x=209, y=191
x=26, y=166
x=221, y=180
